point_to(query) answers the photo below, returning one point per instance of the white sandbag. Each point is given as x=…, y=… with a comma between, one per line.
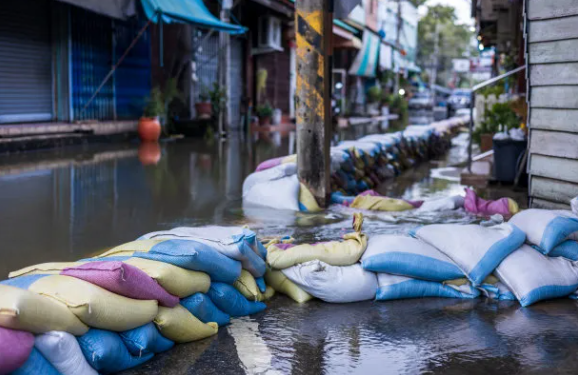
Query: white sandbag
x=62, y=350
x=276, y=187
x=235, y=242
x=407, y=256
x=497, y=290
x=333, y=283
x=393, y=287
x=442, y=204
x=532, y=276
x=574, y=205
x=546, y=228
x=476, y=250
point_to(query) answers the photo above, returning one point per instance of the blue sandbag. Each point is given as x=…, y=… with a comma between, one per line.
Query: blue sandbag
x=567, y=249
x=261, y=284
x=231, y=301
x=145, y=339
x=393, y=287
x=22, y=282
x=106, y=352
x=36, y=364
x=201, y=306
x=194, y=256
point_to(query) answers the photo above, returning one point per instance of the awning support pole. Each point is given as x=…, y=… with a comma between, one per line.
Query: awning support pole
x=161, y=41
x=120, y=60
x=314, y=25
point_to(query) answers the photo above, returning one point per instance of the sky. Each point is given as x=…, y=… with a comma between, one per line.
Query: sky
x=463, y=9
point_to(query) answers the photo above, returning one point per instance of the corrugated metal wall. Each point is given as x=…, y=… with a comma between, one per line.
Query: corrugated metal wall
x=25, y=61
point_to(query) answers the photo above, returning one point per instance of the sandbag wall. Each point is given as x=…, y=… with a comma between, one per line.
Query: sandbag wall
x=117, y=310
x=356, y=166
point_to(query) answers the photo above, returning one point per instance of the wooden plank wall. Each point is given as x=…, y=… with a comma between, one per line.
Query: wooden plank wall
x=552, y=58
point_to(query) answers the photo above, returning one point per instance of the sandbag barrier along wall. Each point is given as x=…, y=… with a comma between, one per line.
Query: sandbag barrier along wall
x=119, y=309
x=356, y=166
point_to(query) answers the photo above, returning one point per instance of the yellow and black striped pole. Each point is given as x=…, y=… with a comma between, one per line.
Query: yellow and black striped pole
x=314, y=28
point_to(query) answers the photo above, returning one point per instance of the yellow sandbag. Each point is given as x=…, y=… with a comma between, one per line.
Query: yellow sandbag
x=28, y=311
x=175, y=280
x=279, y=282
x=335, y=253
x=95, y=306
x=129, y=248
x=179, y=325
x=269, y=293
x=513, y=206
x=44, y=269
x=307, y=199
x=369, y=202
x=247, y=285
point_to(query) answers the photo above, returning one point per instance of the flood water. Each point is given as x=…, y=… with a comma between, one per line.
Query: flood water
x=71, y=203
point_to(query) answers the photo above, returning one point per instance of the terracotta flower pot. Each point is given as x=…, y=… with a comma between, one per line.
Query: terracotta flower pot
x=149, y=153
x=204, y=110
x=149, y=129
x=265, y=120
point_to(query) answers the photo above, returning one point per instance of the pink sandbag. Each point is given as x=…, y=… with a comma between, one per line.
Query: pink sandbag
x=270, y=163
x=373, y=193
x=15, y=348
x=476, y=205
x=122, y=279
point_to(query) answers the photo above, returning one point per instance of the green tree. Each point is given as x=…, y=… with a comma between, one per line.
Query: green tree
x=454, y=40
x=417, y=3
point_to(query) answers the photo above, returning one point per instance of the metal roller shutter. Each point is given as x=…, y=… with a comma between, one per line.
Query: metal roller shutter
x=25, y=61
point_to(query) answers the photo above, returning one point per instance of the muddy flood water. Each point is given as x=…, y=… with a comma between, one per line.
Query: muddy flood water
x=71, y=203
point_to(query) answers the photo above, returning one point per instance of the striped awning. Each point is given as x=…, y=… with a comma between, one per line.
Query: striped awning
x=365, y=62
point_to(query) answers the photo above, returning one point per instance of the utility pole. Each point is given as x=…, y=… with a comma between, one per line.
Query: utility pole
x=397, y=37
x=224, y=70
x=435, y=58
x=314, y=27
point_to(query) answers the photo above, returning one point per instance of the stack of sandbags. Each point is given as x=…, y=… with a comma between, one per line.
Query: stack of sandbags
x=131, y=302
x=326, y=270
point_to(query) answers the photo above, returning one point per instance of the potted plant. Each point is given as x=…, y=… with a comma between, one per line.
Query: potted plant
x=149, y=126
x=265, y=112
x=373, y=98
x=203, y=106
x=501, y=117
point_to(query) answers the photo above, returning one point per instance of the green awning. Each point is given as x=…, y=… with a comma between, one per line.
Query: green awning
x=188, y=11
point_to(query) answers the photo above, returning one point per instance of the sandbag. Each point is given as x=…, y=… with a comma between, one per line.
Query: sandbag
x=532, y=276
x=493, y=288
x=261, y=284
x=95, y=306
x=201, y=306
x=307, y=201
x=247, y=285
x=442, y=204
x=567, y=249
x=36, y=364
x=145, y=339
x=476, y=250
x=377, y=203
x=269, y=293
x=276, y=187
x=235, y=242
x=231, y=301
x=15, y=348
x=179, y=325
x=476, y=205
x=122, y=279
x=63, y=352
x=105, y=352
x=189, y=254
x=280, y=283
x=392, y=287
x=334, y=253
x=175, y=280
x=334, y=284
x=406, y=256
x=27, y=311
x=546, y=228
x=53, y=268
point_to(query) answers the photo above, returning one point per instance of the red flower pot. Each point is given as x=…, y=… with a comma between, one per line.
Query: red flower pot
x=265, y=120
x=204, y=109
x=149, y=129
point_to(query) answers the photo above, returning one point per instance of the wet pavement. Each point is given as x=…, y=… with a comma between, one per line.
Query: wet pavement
x=67, y=204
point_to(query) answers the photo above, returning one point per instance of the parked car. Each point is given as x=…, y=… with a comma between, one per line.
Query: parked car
x=459, y=99
x=421, y=100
